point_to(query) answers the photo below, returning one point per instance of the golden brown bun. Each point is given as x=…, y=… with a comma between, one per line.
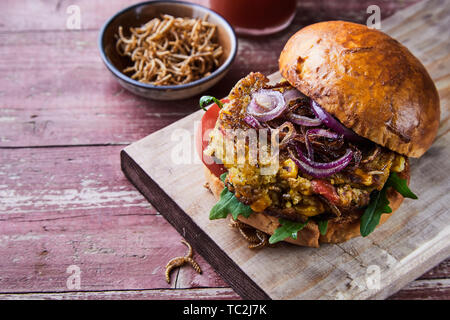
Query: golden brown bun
x=367, y=80
x=308, y=236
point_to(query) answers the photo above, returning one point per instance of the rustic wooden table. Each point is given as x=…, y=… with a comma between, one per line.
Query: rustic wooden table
x=63, y=198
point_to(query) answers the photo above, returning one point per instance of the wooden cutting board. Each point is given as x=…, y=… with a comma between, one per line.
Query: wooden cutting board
x=416, y=238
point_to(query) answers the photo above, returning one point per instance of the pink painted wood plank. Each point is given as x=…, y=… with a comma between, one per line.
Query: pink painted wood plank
x=57, y=91
x=72, y=206
x=63, y=95
x=156, y=294
x=52, y=15
x=45, y=181
x=425, y=290
x=114, y=251
x=441, y=271
x=417, y=290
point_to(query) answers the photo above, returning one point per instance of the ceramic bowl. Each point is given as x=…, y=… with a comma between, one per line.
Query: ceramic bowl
x=139, y=14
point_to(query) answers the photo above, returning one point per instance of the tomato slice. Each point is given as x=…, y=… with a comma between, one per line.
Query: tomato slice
x=208, y=123
x=325, y=189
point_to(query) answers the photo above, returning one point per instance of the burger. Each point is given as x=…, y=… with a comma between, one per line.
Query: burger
x=352, y=106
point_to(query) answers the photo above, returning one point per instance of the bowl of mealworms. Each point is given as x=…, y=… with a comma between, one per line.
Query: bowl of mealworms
x=167, y=50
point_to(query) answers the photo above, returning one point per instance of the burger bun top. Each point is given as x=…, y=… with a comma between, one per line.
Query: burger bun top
x=369, y=81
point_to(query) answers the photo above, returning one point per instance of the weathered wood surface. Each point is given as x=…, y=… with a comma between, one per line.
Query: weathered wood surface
x=155, y=294
x=69, y=205
x=50, y=15
x=93, y=219
x=415, y=239
x=57, y=91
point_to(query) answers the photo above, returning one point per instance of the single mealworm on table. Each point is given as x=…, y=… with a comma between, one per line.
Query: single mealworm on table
x=180, y=261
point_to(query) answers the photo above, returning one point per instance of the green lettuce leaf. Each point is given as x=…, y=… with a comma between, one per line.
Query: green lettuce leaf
x=228, y=204
x=287, y=229
x=223, y=176
x=379, y=203
x=323, y=226
x=400, y=185
x=207, y=100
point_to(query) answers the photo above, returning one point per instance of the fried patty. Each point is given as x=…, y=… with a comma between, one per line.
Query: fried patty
x=288, y=192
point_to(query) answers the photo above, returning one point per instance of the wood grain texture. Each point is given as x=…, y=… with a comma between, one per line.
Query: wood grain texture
x=41, y=106
x=94, y=219
x=414, y=239
x=56, y=92
x=155, y=294
x=15, y=15
x=424, y=290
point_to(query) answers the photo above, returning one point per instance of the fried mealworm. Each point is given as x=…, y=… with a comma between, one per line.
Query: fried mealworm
x=190, y=252
x=372, y=156
x=263, y=240
x=180, y=261
x=238, y=224
x=253, y=238
x=172, y=264
x=193, y=264
x=242, y=227
x=259, y=239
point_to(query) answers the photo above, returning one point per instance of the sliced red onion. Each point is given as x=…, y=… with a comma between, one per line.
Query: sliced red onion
x=304, y=121
x=319, y=132
x=334, y=124
x=324, y=133
x=342, y=162
x=266, y=105
x=319, y=169
x=292, y=94
x=252, y=122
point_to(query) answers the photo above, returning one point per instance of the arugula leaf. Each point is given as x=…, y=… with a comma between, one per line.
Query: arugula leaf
x=323, y=226
x=287, y=229
x=223, y=176
x=207, y=100
x=400, y=185
x=378, y=205
x=228, y=203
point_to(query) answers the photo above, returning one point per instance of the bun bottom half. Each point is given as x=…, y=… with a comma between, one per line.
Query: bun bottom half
x=309, y=236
